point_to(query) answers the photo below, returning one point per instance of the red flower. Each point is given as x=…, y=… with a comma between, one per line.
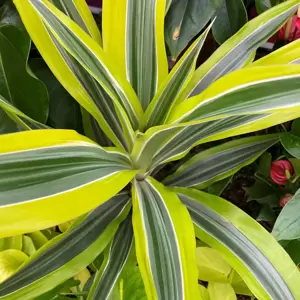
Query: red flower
x=291, y=30
x=285, y=199
x=281, y=171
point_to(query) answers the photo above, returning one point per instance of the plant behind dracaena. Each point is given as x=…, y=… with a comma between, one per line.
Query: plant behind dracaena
x=151, y=117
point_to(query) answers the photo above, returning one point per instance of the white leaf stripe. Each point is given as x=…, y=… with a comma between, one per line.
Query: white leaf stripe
x=250, y=104
x=86, y=56
x=220, y=160
x=66, y=248
x=68, y=7
x=118, y=254
x=165, y=98
x=27, y=176
x=241, y=51
x=234, y=240
x=142, y=61
x=162, y=250
x=170, y=142
x=98, y=95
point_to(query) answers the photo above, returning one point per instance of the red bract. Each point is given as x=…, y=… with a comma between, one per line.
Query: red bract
x=293, y=28
x=281, y=170
x=285, y=199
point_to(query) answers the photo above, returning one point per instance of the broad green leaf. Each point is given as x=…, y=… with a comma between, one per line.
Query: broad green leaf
x=146, y=61
x=165, y=243
x=184, y=20
x=293, y=249
x=218, y=187
x=14, y=51
x=64, y=111
x=203, y=292
x=263, y=5
x=218, y=290
x=28, y=245
x=115, y=258
x=43, y=173
x=256, y=90
x=288, y=54
x=230, y=17
x=14, y=242
x=10, y=261
x=165, y=98
x=220, y=162
x=287, y=226
x=238, y=284
x=67, y=254
x=38, y=238
x=80, y=13
x=131, y=284
x=100, y=97
x=291, y=143
x=253, y=252
x=239, y=50
x=211, y=265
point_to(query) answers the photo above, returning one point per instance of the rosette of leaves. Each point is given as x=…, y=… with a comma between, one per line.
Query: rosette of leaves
x=149, y=117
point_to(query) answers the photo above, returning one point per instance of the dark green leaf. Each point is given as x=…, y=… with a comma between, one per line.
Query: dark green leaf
x=296, y=127
x=263, y=193
x=184, y=20
x=266, y=214
x=291, y=143
x=218, y=187
x=9, y=15
x=287, y=226
x=293, y=249
x=17, y=85
x=7, y=125
x=64, y=111
x=230, y=17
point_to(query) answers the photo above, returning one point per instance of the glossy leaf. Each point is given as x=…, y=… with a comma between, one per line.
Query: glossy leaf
x=230, y=17
x=211, y=265
x=293, y=249
x=263, y=5
x=165, y=98
x=14, y=50
x=28, y=245
x=239, y=50
x=114, y=261
x=220, y=162
x=9, y=15
x=264, y=266
x=67, y=254
x=184, y=20
x=10, y=261
x=165, y=245
x=14, y=242
x=219, y=290
x=287, y=226
x=54, y=169
x=7, y=124
x=291, y=143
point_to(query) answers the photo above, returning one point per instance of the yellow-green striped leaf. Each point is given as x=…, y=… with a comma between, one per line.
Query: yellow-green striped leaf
x=165, y=98
x=165, y=243
x=220, y=162
x=115, y=259
x=80, y=13
x=146, y=61
x=253, y=252
x=67, y=254
x=239, y=50
x=288, y=54
x=44, y=176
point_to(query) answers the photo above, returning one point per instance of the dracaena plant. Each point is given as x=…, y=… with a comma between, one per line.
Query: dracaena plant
x=148, y=117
